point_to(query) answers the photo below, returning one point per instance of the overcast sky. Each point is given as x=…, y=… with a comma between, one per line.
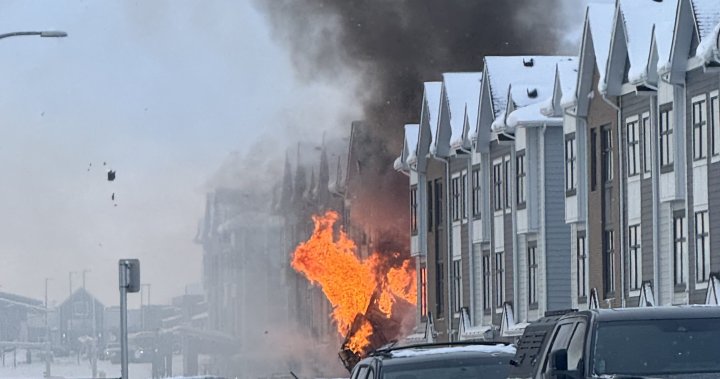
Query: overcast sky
x=162, y=91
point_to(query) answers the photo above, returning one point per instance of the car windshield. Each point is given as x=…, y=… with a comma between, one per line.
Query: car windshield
x=665, y=348
x=455, y=368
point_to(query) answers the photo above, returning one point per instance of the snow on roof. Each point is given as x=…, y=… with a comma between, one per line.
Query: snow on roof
x=708, y=49
x=432, y=109
x=420, y=351
x=504, y=71
x=707, y=16
x=411, y=141
x=639, y=18
x=567, y=72
x=600, y=20
x=463, y=96
x=531, y=116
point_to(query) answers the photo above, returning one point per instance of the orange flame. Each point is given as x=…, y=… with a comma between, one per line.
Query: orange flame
x=349, y=282
x=359, y=340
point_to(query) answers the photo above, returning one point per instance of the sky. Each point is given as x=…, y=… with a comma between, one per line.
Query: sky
x=162, y=92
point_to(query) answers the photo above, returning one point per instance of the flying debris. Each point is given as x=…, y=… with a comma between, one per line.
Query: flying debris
x=111, y=175
x=112, y=197
x=89, y=166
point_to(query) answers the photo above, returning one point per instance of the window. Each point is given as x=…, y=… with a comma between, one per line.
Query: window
x=487, y=281
x=666, y=136
x=439, y=292
x=609, y=266
x=438, y=202
x=570, y=165
x=679, y=238
x=647, y=143
x=715, y=124
x=593, y=160
x=430, y=202
x=702, y=247
x=506, y=177
x=576, y=347
x=635, y=279
x=463, y=189
x=581, y=266
x=699, y=122
x=497, y=186
x=476, y=194
x=457, y=285
x=633, y=141
x=455, y=205
x=499, y=275
x=520, y=182
x=607, y=155
x=532, y=275
x=413, y=210
x=423, y=291
x=560, y=341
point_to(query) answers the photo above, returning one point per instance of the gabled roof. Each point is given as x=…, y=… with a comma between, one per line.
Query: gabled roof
x=408, y=156
x=518, y=82
x=428, y=120
x=431, y=110
x=707, y=22
x=462, y=95
x=599, y=22
x=526, y=71
x=640, y=19
x=567, y=75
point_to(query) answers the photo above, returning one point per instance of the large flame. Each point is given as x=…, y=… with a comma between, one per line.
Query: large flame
x=349, y=282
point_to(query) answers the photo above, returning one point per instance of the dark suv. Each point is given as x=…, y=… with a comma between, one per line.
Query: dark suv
x=653, y=342
x=437, y=361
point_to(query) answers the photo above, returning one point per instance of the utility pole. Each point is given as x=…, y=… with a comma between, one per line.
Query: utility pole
x=129, y=282
x=47, y=332
x=83, y=276
x=93, y=347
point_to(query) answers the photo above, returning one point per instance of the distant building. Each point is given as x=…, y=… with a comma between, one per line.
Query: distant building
x=77, y=315
x=15, y=314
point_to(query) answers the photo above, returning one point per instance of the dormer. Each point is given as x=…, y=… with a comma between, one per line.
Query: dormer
x=460, y=96
x=594, y=50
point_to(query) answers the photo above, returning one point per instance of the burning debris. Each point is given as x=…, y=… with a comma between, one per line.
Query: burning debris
x=371, y=298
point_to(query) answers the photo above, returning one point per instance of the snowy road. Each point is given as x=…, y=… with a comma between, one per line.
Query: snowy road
x=69, y=368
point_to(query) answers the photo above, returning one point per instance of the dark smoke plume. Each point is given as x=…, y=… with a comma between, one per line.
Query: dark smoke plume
x=396, y=45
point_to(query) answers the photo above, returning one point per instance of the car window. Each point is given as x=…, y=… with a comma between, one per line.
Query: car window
x=360, y=372
x=371, y=374
x=576, y=346
x=560, y=341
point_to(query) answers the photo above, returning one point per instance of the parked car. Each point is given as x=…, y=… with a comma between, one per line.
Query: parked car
x=437, y=361
x=653, y=342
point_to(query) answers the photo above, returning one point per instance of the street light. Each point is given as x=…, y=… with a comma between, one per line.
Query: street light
x=47, y=332
x=43, y=34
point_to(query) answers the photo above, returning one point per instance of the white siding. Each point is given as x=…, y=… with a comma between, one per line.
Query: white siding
x=522, y=306
x=700, y=185
x=456, y=241
x=477, y=231
x=665, y=286
x=634, y=201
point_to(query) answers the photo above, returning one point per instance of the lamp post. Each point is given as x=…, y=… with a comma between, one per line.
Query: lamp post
x=43, y=34
x=47, y=332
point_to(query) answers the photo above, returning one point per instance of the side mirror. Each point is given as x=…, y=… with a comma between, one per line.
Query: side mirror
x=558, y=360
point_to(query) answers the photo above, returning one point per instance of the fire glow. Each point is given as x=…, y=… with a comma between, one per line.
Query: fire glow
x=348, y=282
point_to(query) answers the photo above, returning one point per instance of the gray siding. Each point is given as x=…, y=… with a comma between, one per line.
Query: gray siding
x=557, y=232
x=714, y=200
x=646, y=229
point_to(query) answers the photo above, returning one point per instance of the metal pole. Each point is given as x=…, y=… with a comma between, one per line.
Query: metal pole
x=47, y=333
x=123, y=320
x=93, y=356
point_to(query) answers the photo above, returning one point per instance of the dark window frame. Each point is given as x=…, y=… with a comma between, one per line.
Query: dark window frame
x=714, y=121
x=477, y=193
x=699, y=128
x=632, y=130
x=532, y=273
x=497, y=186
x=679, y=250
x=634, y=258
x=608, y=169
x=609, y=263
x=702, y=246
x=506, y=190
x=487, y=283
x=581, y=252
x=455, y=198
x=667, y=141
x=499, y=278
x=439, y=289
x=520, y=179
x=647, y=144
x=457, y=285
x=571, y=173
x=413, y=210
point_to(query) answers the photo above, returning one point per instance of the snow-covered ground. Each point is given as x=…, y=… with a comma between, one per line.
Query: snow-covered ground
x=69, y=368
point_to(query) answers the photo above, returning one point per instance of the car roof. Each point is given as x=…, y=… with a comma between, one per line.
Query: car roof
x=531, y=344
x=653, y=313
x=441, y=351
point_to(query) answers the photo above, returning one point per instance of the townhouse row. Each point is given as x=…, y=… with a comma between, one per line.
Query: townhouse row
x=548, y=182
